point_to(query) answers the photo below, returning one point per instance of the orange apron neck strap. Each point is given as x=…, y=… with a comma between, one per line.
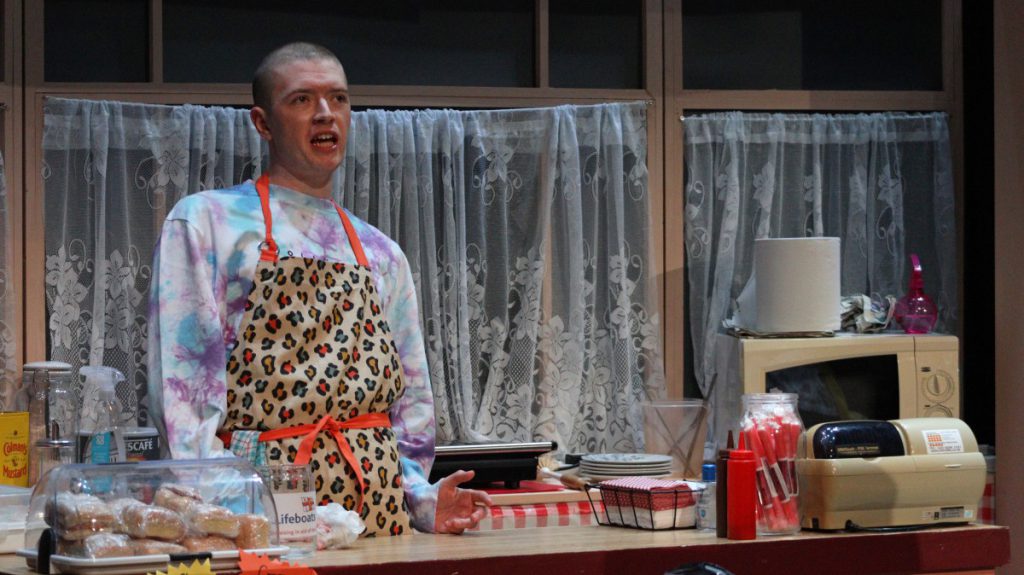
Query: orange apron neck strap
x=353, y=238
x=268, y=249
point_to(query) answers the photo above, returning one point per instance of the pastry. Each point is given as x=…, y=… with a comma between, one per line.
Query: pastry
x=78, y=516
x=253, y=532
x=176, y=497
x=154, y=547
x=100, y=545
x=117, y=507
x=183, y=490
x=208, y=543
x=152, y=522
x=212, y=520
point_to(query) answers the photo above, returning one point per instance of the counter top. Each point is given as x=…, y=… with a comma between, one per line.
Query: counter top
x=971, y=549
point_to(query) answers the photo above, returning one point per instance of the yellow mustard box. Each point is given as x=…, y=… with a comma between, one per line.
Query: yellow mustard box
x=14, y=448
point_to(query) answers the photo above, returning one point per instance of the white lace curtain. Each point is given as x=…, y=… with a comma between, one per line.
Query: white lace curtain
x=528, y=232
x=882, y=183
x=8, y=340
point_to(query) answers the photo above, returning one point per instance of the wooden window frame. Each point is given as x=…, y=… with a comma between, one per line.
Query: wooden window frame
x=12, y=142
x=156, y=91
x=24, y=91
x=679, y=101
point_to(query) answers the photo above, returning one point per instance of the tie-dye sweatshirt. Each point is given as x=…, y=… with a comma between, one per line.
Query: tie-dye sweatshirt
x=202, y=273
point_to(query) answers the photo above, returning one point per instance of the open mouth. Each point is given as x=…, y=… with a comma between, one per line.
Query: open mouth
x=324, y=141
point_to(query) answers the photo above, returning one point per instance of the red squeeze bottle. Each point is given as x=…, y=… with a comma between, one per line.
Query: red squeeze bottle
x=742, y=495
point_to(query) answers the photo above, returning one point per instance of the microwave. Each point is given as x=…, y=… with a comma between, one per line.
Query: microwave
x=848, y=376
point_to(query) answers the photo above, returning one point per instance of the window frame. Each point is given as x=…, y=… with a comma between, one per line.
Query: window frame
x=24, y=92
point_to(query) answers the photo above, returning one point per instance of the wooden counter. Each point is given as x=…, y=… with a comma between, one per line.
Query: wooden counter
x=559, y=550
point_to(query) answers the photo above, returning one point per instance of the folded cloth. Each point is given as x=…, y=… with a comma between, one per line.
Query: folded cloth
x=862, y=314
x=246, y=444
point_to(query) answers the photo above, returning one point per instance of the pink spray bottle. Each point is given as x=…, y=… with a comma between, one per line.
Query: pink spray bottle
x=916, y=312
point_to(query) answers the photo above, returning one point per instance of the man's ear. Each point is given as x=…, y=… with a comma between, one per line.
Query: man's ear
x=259, y=119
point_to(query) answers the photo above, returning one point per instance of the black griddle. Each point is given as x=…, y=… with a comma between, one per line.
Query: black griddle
x=507, y=463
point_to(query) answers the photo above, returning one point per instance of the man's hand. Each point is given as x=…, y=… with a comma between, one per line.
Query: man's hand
x=459, y=509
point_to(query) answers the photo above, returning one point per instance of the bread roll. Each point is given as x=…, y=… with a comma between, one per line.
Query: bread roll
x=213, y=520
x=208, y=543
x=154, y=547
x=253, y=532
x=183, y=490
x=177, y=498
x=117, y=507
x=78, y=516
x=101, y=545
x=152, y=522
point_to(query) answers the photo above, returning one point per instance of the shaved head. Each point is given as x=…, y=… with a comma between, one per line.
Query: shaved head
x=263, y=81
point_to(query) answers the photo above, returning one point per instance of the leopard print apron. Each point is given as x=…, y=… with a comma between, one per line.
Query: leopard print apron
x=315, y=369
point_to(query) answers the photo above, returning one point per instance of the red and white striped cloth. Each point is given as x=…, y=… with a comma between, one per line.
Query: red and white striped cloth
x=540, y=515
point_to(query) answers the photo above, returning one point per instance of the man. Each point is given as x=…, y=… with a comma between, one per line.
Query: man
x=286, y=330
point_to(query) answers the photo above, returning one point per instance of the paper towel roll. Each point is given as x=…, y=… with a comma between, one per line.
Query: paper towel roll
x=797, y=284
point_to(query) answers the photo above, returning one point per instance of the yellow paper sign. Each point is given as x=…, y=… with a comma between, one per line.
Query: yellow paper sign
x=196, y=568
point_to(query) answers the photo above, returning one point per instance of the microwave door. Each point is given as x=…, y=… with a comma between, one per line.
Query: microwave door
x=861, y=388
x=817, y=401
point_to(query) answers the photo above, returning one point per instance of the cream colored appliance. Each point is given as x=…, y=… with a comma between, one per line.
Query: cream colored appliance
x=846, y=377
x=866, y=474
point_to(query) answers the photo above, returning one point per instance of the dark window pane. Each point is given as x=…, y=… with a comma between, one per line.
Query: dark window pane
x=596, y=44
x=812, y=45
x=96, y=40
x=429, y=42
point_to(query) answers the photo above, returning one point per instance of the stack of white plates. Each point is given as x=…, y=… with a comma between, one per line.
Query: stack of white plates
x=612, y=465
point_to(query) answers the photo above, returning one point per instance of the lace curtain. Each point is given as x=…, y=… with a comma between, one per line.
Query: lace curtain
x=882, y=183
x=9, y=383
x=527, y=230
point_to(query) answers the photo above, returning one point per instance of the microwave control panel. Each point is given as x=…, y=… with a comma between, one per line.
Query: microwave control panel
x=938, y=384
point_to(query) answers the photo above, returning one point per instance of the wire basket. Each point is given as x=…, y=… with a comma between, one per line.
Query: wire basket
x=647, y=503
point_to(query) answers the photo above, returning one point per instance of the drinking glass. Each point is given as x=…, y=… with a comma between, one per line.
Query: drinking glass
x=295, y=498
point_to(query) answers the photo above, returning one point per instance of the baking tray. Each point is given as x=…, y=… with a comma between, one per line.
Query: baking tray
x=140, y=565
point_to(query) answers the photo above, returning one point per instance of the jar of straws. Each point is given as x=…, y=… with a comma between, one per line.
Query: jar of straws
x=771, y=428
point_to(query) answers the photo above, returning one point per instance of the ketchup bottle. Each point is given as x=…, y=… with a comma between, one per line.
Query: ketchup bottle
x=742, y=497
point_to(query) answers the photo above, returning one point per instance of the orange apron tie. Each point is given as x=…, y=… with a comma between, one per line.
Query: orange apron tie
x=334, y=427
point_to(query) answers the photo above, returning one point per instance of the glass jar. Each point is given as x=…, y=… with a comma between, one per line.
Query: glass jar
x=53, y=412
x=295, y=498
x=50, y=453
x=771, y=428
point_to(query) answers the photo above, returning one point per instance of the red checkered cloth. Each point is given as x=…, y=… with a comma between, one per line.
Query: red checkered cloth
x=540, y=515
x=649, y=503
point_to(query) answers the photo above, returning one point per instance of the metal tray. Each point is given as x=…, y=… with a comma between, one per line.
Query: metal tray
x=142, y=564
